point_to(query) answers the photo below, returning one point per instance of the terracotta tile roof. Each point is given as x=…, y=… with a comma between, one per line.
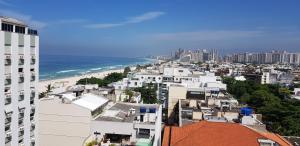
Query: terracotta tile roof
x=212, y=134
x=275, y=137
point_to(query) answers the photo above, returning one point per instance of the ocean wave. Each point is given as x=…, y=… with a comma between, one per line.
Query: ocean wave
x=99, y=68
x=84, y=72
x=66, y=71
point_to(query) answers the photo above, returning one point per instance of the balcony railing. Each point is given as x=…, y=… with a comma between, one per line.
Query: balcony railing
x=32, y=60
x=21, y=115
x=7, y=120
x=7, y=139
x=21, y=78
x=21, y=97
x=32, y=78
x=7, y=79
x=7, y=99
x=7, y=62
x=21, y=61
x=7, y=128
x=21, y=123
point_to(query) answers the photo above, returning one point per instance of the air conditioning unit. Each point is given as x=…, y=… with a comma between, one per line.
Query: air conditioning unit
x=7, y=57
x=21, y=57
x=21, y=92
x=21, y=128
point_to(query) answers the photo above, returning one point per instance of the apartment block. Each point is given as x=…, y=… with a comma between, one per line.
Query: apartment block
x=19, y=49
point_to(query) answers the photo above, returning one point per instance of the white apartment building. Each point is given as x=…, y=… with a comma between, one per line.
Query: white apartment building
x=19, y=69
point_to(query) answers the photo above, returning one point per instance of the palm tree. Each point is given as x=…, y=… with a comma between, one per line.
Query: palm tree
x=49, y=88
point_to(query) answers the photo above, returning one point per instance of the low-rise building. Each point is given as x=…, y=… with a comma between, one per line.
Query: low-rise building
x=129, y=124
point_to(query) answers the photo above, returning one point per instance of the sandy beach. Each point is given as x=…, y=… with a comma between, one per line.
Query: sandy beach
x=69, y=81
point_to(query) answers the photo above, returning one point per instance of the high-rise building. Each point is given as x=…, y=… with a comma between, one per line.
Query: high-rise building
x=19, y=49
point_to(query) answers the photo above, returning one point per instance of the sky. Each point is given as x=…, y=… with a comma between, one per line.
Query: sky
x=135, y=28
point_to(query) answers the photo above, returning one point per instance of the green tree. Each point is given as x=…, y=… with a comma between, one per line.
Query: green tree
x=92, y=143
x=280, y=113
x=148, y=93
x=110, y=78
x=129, y=93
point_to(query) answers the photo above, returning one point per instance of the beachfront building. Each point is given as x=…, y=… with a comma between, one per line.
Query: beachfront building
x=19, y=49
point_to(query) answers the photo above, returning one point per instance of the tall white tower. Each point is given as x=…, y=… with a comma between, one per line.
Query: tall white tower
x=19, y=70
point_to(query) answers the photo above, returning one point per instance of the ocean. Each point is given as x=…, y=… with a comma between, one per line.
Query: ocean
x=60, y=66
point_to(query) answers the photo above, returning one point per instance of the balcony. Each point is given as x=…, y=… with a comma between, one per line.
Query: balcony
x=32, y=111
x=21, y=123
x=7, y=62
x=21, y=97
x=31, y=100
x=32, y=127
x=21, y=114
x=21, y=61
x=7, y=138
x=21, y=78
x=7, y=99
x=32, y=60
x=32, y=135
x=32, y=78
x=7, y=128
x=7, y=120
x=21, y=134
x=7, y=79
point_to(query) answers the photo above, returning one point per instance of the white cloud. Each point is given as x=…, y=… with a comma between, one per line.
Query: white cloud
x=144, y=17
x=23, y=17
x=137, y=19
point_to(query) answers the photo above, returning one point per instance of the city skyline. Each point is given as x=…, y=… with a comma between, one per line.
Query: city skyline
x=152, y=28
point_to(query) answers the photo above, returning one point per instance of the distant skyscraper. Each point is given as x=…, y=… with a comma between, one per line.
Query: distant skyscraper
x=19, y=49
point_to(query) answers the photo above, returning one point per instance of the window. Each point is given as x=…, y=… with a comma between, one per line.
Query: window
x=32, y=32
x=20, y=69
x=20, y=29
x=7, y=27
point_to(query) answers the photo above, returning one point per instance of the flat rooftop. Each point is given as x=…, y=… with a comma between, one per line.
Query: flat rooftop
x=12, y=20
x=119, y=112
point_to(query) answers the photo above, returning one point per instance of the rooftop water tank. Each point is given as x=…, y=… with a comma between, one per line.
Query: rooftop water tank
x=152, y=110
x=246, y=111
x=143, y=109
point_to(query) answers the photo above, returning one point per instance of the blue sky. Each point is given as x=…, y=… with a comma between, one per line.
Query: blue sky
x=144, y=27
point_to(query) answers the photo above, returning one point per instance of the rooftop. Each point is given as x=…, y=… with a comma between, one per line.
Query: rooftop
x=206, y=133
x=91, y=101
x=119, y=112
x=12, y=20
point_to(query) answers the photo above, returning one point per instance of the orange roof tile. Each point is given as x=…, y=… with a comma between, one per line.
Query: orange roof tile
x=275, y=137
x=212, y=134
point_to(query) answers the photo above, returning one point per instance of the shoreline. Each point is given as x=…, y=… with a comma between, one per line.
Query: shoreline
x=65, y=82
x=70, y=81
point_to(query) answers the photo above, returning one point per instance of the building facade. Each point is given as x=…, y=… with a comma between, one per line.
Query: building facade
x=19, y=49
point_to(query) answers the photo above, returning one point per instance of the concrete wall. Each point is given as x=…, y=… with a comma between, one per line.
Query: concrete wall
x=175, y=93
x=62, y=124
